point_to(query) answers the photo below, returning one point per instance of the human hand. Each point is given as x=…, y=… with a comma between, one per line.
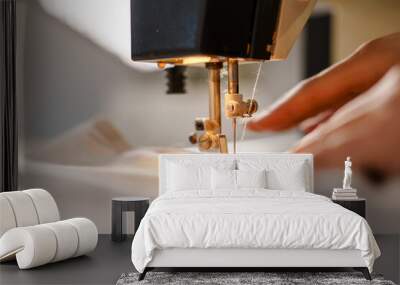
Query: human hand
x=367, y=128
x=349, y=109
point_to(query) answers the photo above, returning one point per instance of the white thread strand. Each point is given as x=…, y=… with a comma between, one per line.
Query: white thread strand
x=252, y=98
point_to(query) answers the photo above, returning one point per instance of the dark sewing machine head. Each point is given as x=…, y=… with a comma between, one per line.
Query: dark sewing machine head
x=213, y=33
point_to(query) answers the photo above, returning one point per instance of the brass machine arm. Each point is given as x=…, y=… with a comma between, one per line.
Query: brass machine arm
x=210, y=136
x=235, y=107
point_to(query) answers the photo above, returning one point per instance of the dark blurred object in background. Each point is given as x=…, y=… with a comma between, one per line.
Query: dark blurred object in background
x=176, y=80
x=9, y=139
x=317, y=44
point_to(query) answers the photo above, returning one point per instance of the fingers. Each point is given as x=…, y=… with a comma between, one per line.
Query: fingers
x=376, y=149
x=333, y=87
x=329, y=149
x=366, y=129
x=310, y=124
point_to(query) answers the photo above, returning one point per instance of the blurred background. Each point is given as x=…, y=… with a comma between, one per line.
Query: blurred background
x=92, y=122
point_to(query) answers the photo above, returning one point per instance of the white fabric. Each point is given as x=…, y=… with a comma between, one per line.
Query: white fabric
x=41, y=244
x=286, y=171
x=7, y=218
x=255, y=257
x=250, y=219
x=87, y=233
x=223, y=179
x=185, y=177
x=46, y=207
x=31, y=233
x=33, y=246
x=251, y=178
x=237, y=179
x=281, y=175
x=67, y=239
x=23, y=208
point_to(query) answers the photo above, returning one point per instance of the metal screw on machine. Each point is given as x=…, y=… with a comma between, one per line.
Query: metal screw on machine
x=205, y=142
x=208, y=135
x=235, y=106
x=193, y=138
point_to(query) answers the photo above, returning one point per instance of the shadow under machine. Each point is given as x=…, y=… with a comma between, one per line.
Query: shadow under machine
x=214, y=33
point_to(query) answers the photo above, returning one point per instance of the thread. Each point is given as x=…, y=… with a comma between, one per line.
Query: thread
x=253, y=94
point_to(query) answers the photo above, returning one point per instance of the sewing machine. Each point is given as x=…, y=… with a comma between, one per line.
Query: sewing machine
x=214, y=33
